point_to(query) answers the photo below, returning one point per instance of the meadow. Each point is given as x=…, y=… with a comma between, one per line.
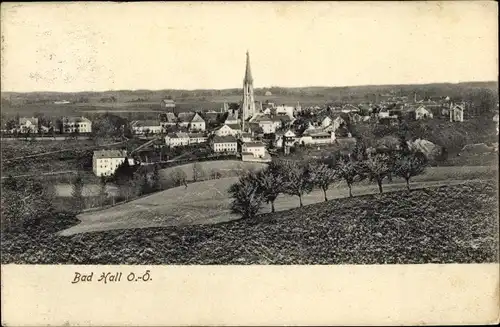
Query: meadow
x=208, y=202
x=445, y=224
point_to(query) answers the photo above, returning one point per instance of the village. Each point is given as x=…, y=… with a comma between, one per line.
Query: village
x=252, y=131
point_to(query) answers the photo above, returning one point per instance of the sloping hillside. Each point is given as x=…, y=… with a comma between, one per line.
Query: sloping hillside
x=448, y=224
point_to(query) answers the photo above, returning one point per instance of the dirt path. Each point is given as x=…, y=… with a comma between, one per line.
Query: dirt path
x=207, y=203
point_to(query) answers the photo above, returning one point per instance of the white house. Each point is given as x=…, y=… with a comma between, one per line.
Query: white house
x=246, y=137
x=314, y=137
x=177, y=139
x=195, y=138
x=168, y=104
x=257, y=149
x=289, y=137
x=28, y=125
x=146, y=126
x=422, y=112
x=169, y=120
x=197, y=123
x=327, y=121
x=287, y=110
x=228, y=129
x=224, y=144
x=105, y=162
x=76, y=124
x=457, y=112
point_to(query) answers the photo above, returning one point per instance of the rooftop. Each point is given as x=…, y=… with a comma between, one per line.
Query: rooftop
x=224, y=139
x=254, y=144
x=110, y=153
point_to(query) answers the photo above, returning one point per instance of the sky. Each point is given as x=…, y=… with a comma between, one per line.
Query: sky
x=114, y=46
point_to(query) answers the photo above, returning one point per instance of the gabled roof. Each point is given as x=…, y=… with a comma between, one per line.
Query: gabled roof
x=255, y=144
x=145, y=123
x=76, y=120
x=197, y=119
x=110, y=153
x=235, y=127
x=185, y=117
x=224, y=139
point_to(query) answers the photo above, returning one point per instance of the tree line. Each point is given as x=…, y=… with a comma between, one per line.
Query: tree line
x=298, y=178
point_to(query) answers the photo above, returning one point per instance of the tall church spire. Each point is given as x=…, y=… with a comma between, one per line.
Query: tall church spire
x=248, y=105
x=248, y=71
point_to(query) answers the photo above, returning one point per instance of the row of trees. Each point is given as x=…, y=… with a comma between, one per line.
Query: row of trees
x=301, y=177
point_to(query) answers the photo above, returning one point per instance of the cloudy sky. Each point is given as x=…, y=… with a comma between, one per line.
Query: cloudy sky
x=110, y=46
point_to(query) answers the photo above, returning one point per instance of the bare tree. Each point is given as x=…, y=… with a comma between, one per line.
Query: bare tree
x=377, y=168
x=247, y=198
x=322, y=176
x=408, y=165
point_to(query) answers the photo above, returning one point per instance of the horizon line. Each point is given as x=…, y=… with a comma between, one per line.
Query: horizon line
x=257, y=88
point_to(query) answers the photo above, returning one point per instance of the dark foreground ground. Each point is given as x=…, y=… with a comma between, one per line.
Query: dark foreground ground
x=448, y=224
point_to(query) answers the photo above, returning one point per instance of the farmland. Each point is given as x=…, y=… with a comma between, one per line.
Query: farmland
x=454, y=223
x=208, y=202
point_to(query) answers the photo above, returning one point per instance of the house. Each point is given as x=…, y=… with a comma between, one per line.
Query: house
x=224, y=144
x=141, y=127
x=287, y=138
x=232, y=118
x=105, y=162
x=168, y=104
x=184, y=119
x=196, y=138
x=197, y=123
x=335, y=124
x=326, y=122
x=316, y=137
x=257, y=149
x=28, y=125
x=421, y=112
x=173, y=140
x=76, y=124
x=286, y=110
x=228, y=129
x=168, y=119
x=457, y=112
x=246, y=137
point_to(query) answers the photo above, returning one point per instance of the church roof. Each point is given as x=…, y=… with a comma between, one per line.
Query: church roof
x=248, y=71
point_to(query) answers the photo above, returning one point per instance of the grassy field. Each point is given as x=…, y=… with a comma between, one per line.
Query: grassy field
x=447, y=224
x=208, y=202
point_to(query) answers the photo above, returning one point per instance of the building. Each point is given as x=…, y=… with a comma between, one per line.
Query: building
x=421, y=113
x=248, y=105
x=197, y=123
x=457, y=112
x=257, y=149
x=317, y=137
x=287, y=110
x=232, y=118
x=228, y=129
x=105, y=162
x=224, y=144
x=287, y=138
x=196, y=138
x=168, y=104
x=173, y=140
x=28, y=125
x=184, y=119
x=76, y=125
x=246, y=137
x=141, y=127
x=168, y=119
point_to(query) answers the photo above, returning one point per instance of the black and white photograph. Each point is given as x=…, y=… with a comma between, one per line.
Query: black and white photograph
x=195, y=133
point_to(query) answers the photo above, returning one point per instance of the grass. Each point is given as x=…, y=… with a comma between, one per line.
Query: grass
x=208, y=202
x=447, y=224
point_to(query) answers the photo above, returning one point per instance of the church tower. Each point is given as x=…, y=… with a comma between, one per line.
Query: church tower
x=248, y=106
